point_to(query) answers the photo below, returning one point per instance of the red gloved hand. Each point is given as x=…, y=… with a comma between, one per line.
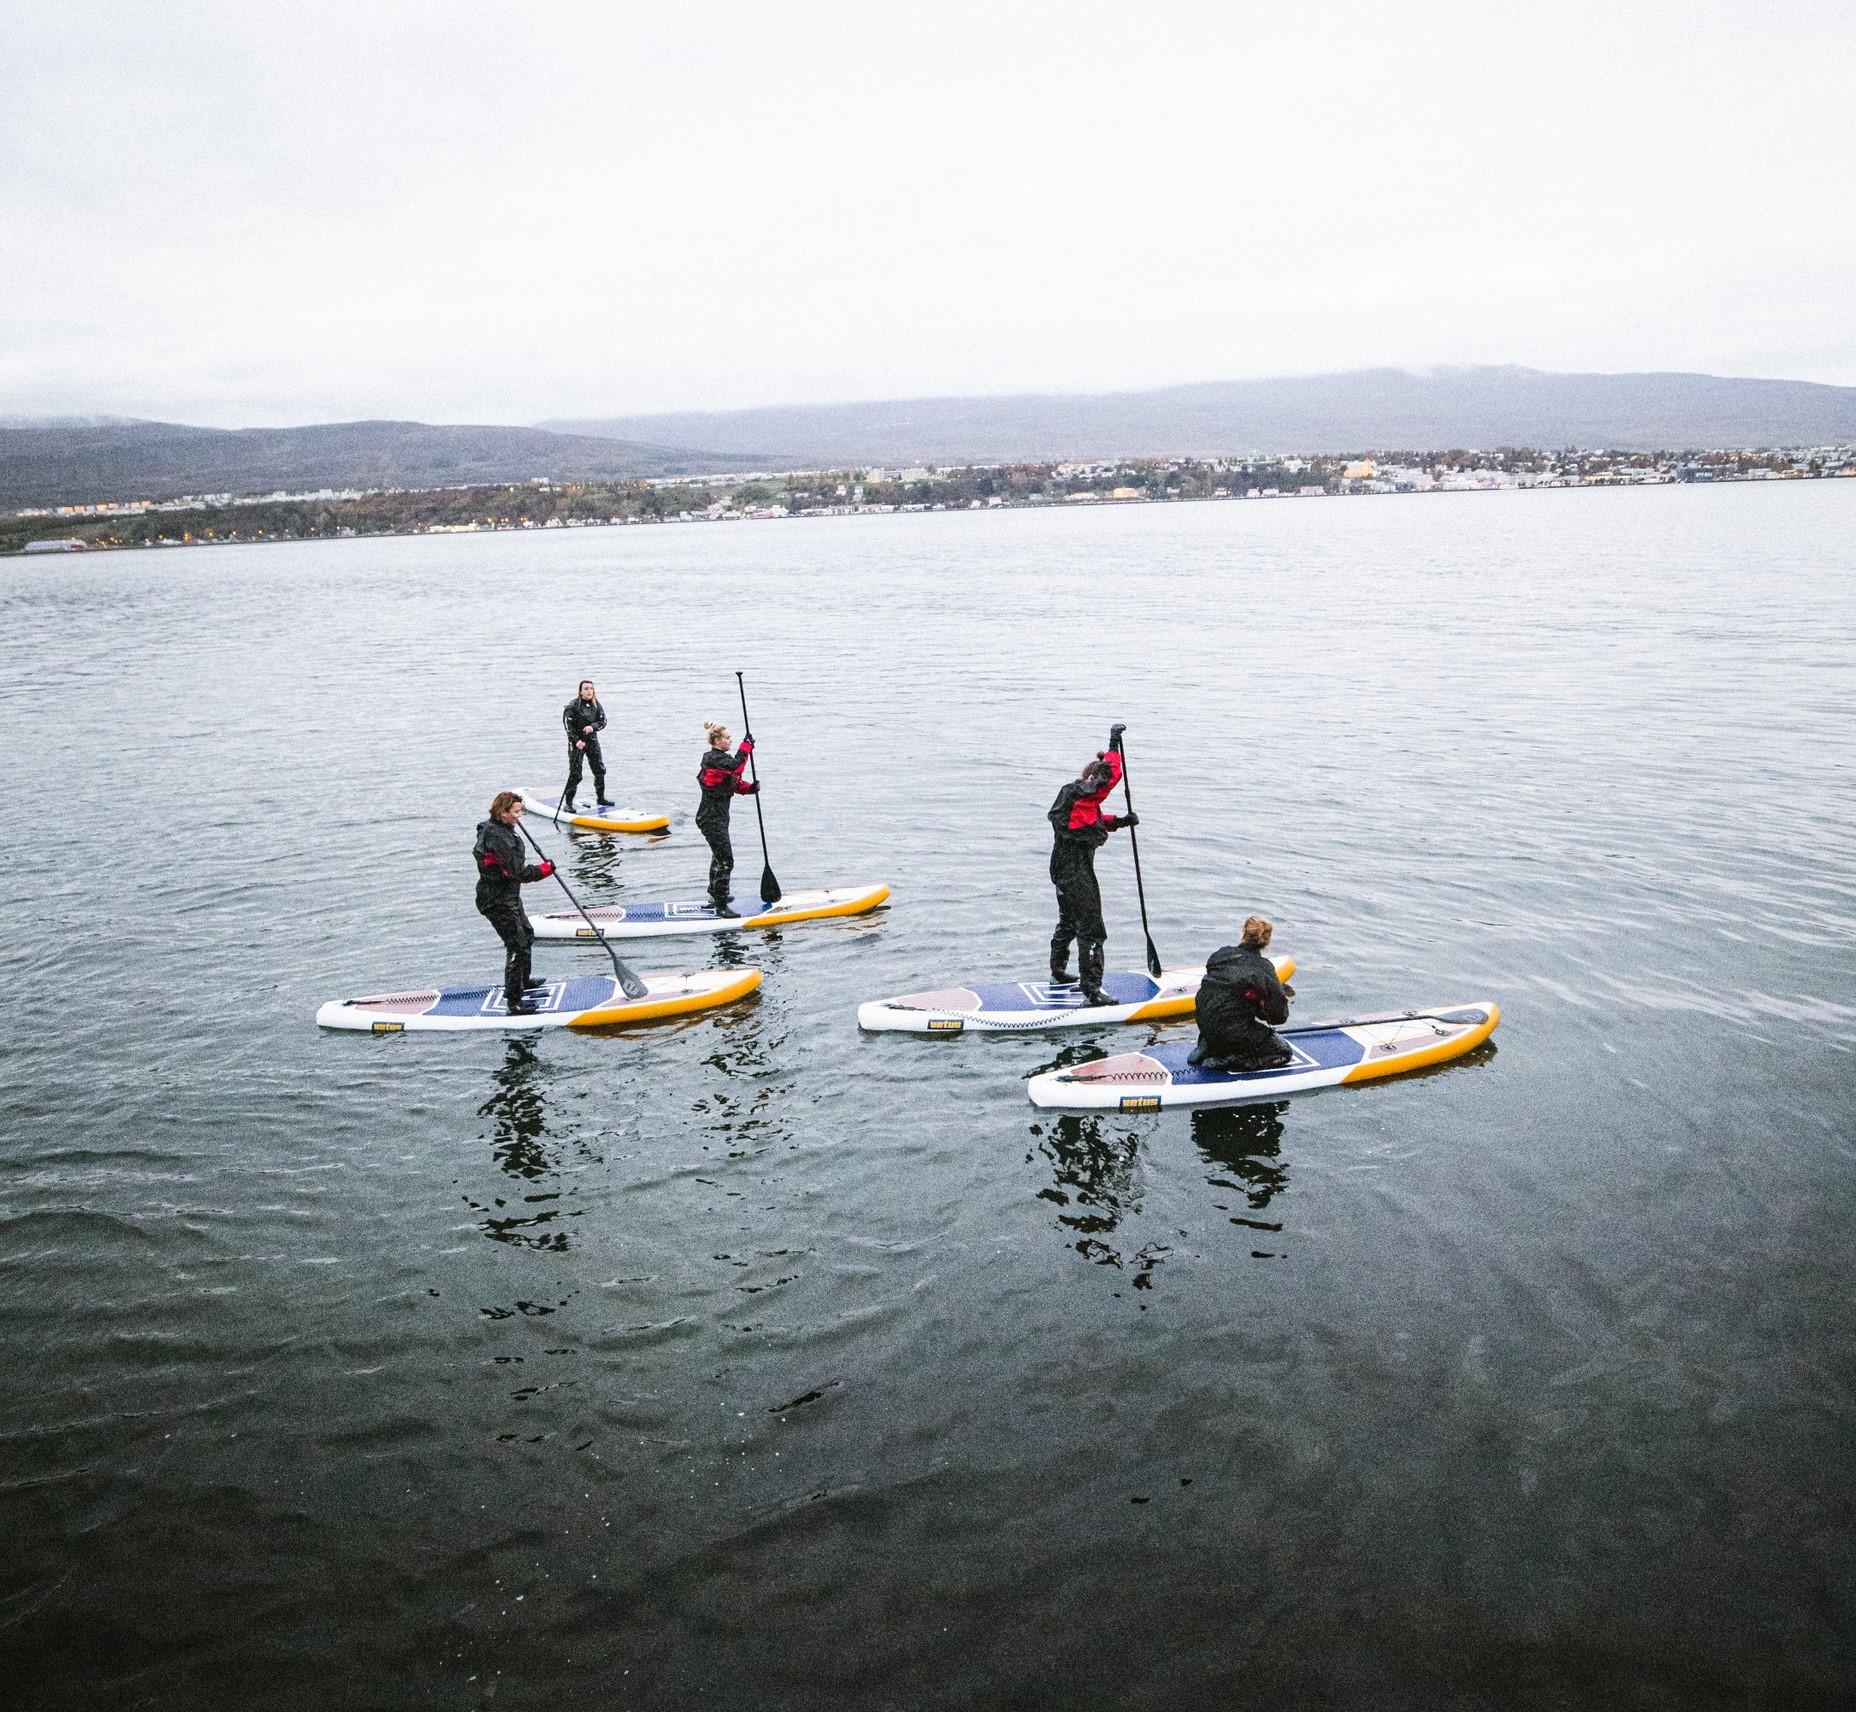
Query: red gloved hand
x=747, y=746
x=547, y=868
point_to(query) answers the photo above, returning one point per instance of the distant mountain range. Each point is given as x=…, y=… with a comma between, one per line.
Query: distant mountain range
x=83, y=460
x=77, y=465
x=1368, y=410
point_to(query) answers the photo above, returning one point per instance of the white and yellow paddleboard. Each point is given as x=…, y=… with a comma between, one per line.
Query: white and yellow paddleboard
x=1029, y=1007
x=661, y=919
x=1326, y=1054
x=581, y=1001
x=546, y=805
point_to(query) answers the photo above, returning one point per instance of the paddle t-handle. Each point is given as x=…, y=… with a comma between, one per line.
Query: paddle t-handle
x=629, y=983
x=1134, y=844
x=769, y=886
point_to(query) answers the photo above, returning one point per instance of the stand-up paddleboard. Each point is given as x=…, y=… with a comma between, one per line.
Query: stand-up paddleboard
x=1016, y=1007
x=1326, y=1054
x=546, y=805
x=581, y=1001
x=697, y=915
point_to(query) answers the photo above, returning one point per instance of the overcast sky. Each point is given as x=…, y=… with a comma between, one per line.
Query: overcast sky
x=247, y=213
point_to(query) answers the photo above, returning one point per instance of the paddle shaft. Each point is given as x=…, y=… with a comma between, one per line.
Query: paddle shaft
x=629, y=984
x=769, y=886
x=1134, y=844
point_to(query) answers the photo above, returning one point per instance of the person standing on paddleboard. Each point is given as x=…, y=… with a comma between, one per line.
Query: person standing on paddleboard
x=721, y=781
x=1082, y=829
x=1239, y=999
x=585, y=719
x=502, y=871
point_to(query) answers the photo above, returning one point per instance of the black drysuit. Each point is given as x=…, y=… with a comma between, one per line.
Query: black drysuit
x=721, y=781
x=502, y=872
x=577, y=715
x=1239, y=997
x=1081, y=830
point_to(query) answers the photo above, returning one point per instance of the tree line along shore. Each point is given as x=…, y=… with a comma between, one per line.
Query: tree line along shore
x=547, y=504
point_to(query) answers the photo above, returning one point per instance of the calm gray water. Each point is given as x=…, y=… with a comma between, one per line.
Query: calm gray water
x=746, y=1362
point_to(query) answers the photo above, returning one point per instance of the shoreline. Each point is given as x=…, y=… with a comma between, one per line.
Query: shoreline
x=539, y=505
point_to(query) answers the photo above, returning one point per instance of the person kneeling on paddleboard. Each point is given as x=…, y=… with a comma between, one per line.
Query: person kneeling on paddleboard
x=1238, y=1000
x=502, y=872
x=1082, y=829
x=721, y=781
x=585, y=719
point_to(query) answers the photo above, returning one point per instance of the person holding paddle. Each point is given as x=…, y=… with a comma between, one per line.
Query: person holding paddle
x=1081, y=830
x=585, y=719
x=502, y=872
x=721, y=781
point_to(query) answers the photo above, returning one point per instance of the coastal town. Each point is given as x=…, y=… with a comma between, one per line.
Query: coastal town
x=545, y=503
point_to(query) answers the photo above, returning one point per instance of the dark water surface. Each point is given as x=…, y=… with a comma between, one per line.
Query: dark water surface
x=750, y=1363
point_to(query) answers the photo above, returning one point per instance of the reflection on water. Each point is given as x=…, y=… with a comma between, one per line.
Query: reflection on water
x=1096, y=1178
x=1243, y=1143
x=521, y=1145
x=1097, y=1181
x=596, y=863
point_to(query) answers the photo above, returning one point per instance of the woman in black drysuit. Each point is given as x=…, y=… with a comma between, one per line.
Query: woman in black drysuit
x=721, y=781
x=1081, y=830
x=1238, y=1000
x=502, y=871
x=585, y=719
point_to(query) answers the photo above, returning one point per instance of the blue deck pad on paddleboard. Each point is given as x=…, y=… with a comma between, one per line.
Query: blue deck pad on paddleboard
x=577, y=993
x=1121, y=987
x=1318, y=1049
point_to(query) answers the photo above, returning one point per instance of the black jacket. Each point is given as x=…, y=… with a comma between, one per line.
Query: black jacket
x=1076, y=816
x=721, y=781
x=1238, y=997
x=580, y=713
x=502, y=867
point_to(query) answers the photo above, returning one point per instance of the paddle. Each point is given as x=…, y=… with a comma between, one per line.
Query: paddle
x=769, y=886
x=1153, y=956
x=629, y=984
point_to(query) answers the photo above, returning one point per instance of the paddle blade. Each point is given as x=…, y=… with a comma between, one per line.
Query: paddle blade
x=1153, y=959
x=629, y=983
x=769, y=886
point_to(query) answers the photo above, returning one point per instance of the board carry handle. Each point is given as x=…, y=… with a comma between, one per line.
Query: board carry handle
x=629, y=983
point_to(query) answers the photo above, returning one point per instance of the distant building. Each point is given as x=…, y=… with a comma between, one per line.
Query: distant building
x=73, y=545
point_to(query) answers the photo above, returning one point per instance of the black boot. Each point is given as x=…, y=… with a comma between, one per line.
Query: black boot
x=535, y=981
x=723, y=912
x=1089, y=958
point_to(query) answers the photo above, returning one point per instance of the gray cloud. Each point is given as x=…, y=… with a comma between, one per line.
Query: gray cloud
x=483, y=213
